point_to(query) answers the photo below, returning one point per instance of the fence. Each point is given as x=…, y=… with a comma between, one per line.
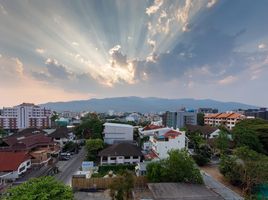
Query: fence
x=79, y=183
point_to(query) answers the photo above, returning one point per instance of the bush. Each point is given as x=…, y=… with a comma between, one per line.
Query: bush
x=115, y=168
x=178, y=167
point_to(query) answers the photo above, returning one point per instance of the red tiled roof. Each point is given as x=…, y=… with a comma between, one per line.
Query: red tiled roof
x=152, y=127
x=151, y=155
x=10, y=161
x=172, y=133
x=28, y=142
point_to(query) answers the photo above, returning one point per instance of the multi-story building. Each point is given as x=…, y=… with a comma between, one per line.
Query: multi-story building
x=25, y=115
x=180, y=118
x=208, y=110
x=161, y=144
x=227, y=119
x=115, y=133
x=256, y=113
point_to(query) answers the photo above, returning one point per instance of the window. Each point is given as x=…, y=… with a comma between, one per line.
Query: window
x=112, y=158
x=127, y=157
x=135, y=157
x=21, y=169
x=104, y=158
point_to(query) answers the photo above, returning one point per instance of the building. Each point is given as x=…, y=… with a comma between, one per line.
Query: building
x=114, y=133
x=24, y=116
x=180, y=118
x=36, y=144
x=256, y=113
x=122, y=153
x=228, y=120
x=207, y=110
x=171, y=140
x=14, y=164
x=62, y=135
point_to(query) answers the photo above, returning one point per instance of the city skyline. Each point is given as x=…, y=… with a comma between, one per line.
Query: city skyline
x=73, y=50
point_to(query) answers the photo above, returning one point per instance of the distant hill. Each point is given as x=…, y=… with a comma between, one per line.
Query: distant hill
x=138, y=104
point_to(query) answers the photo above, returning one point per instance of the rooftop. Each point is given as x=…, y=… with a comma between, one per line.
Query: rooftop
x=10, y=161
x=182, y=191
x=121, y=149
x=118, y=125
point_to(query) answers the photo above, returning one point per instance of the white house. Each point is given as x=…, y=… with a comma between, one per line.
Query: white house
x=14, y=164
x=152, y=129
x=121, y=153
x=114, y=133
x=161, y=144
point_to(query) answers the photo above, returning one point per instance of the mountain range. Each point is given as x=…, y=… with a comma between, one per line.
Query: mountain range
x=143, y=105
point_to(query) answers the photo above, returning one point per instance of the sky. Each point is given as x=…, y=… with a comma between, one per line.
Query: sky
x=70, y=50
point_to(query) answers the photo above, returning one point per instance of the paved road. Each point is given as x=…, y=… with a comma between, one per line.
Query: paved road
x=68, y=168
x=219, y=188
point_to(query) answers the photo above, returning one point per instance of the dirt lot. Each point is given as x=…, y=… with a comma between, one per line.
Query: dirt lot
x=215, y=173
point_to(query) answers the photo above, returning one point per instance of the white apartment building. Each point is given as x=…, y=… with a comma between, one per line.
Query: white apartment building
x=161, y=144
x=227, y=119
x=114, y=133
x=25, y=115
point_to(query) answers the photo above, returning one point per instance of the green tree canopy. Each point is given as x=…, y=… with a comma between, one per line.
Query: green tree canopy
x=200, y=119
x=222, y=142
x=90, y=122
x=93, y=146
x=246, y=167
x=178, y=167
x=44, y=188
x=252, y=133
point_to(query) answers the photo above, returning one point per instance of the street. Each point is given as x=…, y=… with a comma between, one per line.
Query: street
x=68, y=168
x=219, y=188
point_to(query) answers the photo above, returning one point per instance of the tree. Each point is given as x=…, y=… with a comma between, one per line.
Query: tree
x=45, y=188
x=2, y=132
x=222, y=142
x=252, y=133
x=203, y=154
x=90, y=122
x=178, y=167
x=93, y=146
x=246, y=167
x=121, y=186
x=200, y=119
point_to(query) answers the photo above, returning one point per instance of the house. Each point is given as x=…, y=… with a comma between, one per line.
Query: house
x=62, y=135
x=226, y=119
x=207, y=132
x=114, y=133
x=152, y=129
x=13, y=164
x=39, y=146
x=161, y=144
x=121, y=153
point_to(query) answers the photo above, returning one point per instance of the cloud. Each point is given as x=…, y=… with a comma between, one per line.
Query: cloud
x=211, y=3
x=227, y=80
x=155, y=7
x=262, y=46
x=75, y=44
x=117, y=58
x=40, y=50
x=11, y=69
x=3, y=10
x=57, y=70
